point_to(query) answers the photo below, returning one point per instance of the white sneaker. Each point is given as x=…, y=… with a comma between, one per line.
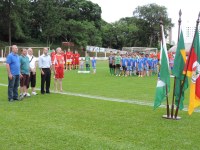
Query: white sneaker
x=34, y=93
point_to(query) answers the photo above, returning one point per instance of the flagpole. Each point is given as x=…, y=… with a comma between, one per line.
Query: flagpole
x=179, y=26
x=164, y=116
x=179, y=99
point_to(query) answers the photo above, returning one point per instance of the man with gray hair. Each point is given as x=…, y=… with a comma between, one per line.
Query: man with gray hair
x=13, y=69
x=32, y=64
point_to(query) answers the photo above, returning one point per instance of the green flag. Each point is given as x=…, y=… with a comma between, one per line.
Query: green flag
x=164, y=80
x=179, y=63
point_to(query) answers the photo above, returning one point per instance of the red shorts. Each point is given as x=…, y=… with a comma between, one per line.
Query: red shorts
x=76, y=62
x=59, y=73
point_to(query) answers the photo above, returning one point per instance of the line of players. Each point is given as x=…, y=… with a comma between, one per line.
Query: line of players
x=71, y=59
x=133, y=64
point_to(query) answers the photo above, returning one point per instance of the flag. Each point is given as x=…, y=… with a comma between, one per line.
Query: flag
x=179, y=63
x=192, y=68
x=164, y=79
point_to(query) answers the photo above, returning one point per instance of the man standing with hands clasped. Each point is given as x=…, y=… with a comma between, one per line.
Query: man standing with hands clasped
x=13, y=69
x=45, y=67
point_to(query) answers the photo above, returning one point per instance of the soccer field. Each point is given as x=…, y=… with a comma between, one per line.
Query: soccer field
x=95, y=111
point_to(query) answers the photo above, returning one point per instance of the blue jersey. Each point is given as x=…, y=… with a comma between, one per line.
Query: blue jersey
x=150, y=62
x=124, y=61
x=145, y=61
x=155, y=62
x=140, y=62
x=94, y=62
x=134, y=62
x=129, y=62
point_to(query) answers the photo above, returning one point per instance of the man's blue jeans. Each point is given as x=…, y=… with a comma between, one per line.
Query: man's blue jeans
x=13, y=87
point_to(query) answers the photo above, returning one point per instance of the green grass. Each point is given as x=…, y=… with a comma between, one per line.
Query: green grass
x=58, y=121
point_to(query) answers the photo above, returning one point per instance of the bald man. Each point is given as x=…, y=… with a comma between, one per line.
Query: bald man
x=13, y=69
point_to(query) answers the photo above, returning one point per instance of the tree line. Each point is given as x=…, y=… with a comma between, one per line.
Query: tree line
x=79, y=21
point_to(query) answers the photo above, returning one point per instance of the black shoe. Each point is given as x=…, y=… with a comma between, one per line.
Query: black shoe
x=11, y=100
x=48, y=92
x=42, y=92
x=16, y=99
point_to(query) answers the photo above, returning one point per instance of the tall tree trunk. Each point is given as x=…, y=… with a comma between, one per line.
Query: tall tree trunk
x=151, y=39
x=9, y=23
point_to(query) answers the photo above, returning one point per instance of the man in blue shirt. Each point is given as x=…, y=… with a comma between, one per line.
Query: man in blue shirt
x=13, y=69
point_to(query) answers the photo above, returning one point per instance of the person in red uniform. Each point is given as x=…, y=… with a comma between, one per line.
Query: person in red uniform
x=73, y=61
x=63, y=54
x=68, y=60
x=76, y=58
x=58, y=68
x=53, y=53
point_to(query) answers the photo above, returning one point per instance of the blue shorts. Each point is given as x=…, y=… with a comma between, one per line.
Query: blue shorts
x=133, y=68
x=140, y=69
x=129, y=68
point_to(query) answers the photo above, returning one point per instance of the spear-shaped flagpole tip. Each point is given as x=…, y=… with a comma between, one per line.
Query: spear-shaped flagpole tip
x=179, y=20
x=180, y=13
x=198, y=18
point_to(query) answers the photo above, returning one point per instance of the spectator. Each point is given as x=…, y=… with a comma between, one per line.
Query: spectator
x=25, y=72
x=45, y=67
x=13, y=69
x=32, y=78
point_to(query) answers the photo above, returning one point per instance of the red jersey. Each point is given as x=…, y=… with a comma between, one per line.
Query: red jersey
x=59, y=61
x=69, y=55
x=76, y=56
x=73, y=59
x=53, y=56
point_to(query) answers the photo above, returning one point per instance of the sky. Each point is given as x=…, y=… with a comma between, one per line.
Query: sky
x=113, y=10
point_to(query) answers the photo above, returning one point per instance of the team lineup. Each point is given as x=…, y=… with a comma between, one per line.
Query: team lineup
x=22, y=69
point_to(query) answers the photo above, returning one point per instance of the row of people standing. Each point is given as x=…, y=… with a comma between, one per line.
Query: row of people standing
x=22, y=71
x=71, y=59
x=132, y=64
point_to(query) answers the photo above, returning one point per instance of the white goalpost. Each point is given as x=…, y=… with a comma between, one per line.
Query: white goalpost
x=37, y=51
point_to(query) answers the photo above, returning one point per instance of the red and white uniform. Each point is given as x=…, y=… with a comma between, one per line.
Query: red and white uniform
x=69, y=57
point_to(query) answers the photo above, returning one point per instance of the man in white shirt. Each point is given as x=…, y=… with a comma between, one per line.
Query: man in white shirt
x=45, y=67
x=32, y=63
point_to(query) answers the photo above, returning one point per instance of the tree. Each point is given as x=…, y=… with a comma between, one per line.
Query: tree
x=11, y=20
x=151, y=14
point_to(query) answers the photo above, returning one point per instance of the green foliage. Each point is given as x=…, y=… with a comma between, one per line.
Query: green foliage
x=152, y=14
x=79, y=21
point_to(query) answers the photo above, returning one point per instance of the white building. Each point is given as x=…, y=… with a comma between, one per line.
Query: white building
x=188, y=31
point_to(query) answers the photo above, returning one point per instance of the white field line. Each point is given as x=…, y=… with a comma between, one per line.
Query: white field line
x=134, y=101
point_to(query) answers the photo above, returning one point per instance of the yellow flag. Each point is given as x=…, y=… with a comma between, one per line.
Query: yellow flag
x=194, y=101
